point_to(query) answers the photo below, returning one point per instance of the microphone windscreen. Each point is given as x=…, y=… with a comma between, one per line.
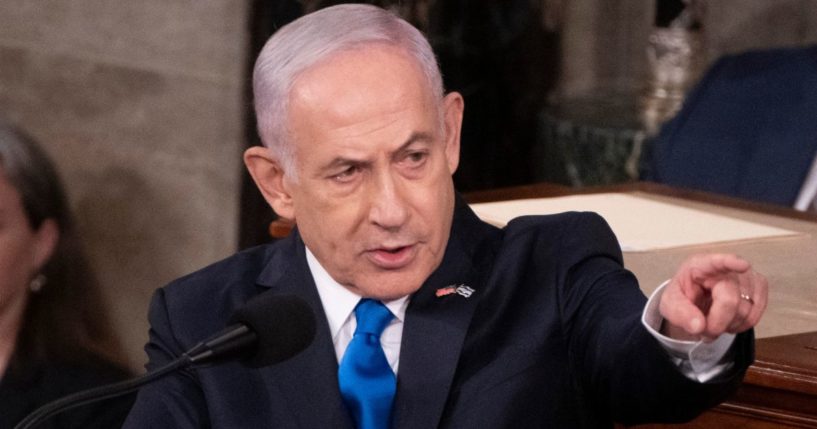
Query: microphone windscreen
x=284, y=325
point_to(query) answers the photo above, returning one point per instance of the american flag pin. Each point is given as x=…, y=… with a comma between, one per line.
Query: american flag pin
x=448, y=290
x=460, y=289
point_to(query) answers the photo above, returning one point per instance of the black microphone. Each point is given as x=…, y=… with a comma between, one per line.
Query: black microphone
x=269, y=329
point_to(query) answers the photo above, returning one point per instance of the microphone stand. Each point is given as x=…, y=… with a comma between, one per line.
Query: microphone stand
x=97, y=394
x=230, y=340
x=268, y=330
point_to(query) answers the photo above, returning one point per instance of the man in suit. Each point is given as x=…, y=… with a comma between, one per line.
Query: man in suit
x=747, y=130
x=537, y=324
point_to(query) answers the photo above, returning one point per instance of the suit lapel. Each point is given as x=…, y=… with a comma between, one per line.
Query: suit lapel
x=435, y=328
x=308, y=381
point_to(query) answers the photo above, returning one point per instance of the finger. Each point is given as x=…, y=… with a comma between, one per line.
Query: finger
x=706, y=266
x=735, y=263
x=676, y=308
x=691, y=289
x=760, y=296
x=709, y=280
x=742, y=314
x=724, y=308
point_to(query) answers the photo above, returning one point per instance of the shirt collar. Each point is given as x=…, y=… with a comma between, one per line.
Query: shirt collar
x=339, y=302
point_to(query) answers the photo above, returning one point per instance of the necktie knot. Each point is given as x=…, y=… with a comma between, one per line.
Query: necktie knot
x=372, y=317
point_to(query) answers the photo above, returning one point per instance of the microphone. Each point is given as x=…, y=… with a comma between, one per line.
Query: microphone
x=269, y=329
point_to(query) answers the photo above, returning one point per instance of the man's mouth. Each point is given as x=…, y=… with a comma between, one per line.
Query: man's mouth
x=391, y=258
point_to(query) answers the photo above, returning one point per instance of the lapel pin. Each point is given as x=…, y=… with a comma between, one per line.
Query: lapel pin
x=443, y=291
x=461, y=289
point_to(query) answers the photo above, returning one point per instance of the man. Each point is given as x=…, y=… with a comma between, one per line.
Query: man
x=534, y=325
x=720, y=139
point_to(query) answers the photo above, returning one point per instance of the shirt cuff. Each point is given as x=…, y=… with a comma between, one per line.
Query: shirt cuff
x=697, y=360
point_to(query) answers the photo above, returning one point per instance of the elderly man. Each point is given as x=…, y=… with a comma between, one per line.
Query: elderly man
x=534, y=325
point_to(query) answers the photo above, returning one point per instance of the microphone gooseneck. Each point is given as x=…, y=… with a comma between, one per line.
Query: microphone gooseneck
x=269, y=329
x=97, y=394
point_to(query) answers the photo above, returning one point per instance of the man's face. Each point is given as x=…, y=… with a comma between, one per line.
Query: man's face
x=373, y=198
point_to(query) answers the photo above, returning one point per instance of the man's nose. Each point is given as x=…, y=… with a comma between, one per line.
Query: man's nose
x=388, y=204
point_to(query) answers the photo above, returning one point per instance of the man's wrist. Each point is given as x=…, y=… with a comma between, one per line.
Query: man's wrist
x=696, y=359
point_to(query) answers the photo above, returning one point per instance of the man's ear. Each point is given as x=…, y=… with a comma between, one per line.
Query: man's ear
x=268, y=175
x=453, y=107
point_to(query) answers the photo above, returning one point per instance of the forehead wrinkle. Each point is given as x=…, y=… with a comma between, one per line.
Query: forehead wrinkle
x=339, y=79
x=356, y=112
x=344, y=126
x=357, y=130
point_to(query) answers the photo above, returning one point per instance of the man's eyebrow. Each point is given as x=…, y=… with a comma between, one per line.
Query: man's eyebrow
x=342, y=162
x=417, y=136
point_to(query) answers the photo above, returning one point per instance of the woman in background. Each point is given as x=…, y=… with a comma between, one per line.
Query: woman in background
x=54, y=336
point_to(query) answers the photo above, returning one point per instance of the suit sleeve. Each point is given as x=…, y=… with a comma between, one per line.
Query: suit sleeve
x=175, y=400
x=620, y=367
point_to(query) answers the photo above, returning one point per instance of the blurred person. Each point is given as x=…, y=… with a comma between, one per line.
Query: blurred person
x=719, y=141
x=54, y=335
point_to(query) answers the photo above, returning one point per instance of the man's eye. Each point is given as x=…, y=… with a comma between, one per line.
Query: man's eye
x=416, y=158
x=346, y=175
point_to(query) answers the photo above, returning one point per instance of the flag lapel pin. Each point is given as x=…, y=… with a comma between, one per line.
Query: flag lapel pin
x=460, y=289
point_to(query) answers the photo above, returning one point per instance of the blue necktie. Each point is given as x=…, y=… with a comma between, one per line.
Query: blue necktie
x=366, y=380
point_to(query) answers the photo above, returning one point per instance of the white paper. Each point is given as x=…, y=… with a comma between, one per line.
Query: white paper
x=640, y=224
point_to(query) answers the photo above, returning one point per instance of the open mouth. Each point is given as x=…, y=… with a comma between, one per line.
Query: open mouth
x=392, y=257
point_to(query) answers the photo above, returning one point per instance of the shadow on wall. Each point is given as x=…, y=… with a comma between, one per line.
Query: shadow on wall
x=125, y=238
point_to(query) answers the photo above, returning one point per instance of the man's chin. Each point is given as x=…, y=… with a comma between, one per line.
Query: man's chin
x=388, y=287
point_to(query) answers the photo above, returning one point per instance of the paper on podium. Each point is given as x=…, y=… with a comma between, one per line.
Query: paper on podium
x=640, y=224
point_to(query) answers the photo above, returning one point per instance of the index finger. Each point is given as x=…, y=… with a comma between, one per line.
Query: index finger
x=703, y=266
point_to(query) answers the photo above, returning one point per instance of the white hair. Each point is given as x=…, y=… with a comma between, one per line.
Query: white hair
x=314, y=38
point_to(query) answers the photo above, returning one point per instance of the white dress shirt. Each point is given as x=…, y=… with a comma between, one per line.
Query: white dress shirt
x=697, y=360
x=339, y=305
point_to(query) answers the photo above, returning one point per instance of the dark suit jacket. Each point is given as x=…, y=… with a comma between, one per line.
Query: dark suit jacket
x=747, y=130
x=551, y=337
x=26, y=387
